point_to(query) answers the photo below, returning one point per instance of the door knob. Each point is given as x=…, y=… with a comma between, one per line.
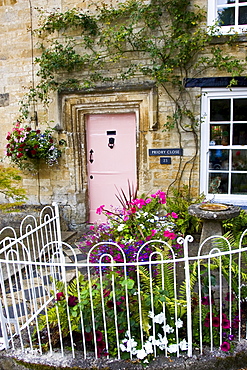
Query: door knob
x=91, y=177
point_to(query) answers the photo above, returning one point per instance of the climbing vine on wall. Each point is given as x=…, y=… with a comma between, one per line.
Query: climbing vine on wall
x=165, y=41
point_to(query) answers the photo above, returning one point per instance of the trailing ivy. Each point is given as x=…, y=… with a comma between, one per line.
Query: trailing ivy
x=168, y=39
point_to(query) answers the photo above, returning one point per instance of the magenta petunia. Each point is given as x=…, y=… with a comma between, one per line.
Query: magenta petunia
x=205, y=301
x=225, y=346
x=216, y=322
x=88, y=336
x=226, y=324
x=99, y=335
x=60, y=296
x=72, y=301
x=229, y=297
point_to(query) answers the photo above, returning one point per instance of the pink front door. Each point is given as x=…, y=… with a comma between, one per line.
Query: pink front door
x=111, y=159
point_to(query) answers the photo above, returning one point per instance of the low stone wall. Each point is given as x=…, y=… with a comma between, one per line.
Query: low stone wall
x=216, y=360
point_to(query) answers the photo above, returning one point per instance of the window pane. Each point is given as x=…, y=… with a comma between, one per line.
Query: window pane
x=239, y=160
x=223, y=2
x=240, y=109
x=242, y=15
x=218, y=183
x=219, y=134
x=226, y=16
x=218, y=159
x=239, y=134
x=239, y=183
x=220, y=110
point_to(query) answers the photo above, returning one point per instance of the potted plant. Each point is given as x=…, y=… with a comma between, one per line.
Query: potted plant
x=26, y=147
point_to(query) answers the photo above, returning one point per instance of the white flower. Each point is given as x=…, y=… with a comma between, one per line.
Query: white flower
x=160, y=318
x=151, y=314
x=179, y=323
x=128, y=345
x=168, y=329
x=141, y=353
x=161, y=342
x=123, y=347
x=183, y=345
x=120, y=227
x=148, y=347
x=152, y=339
x=172, y=348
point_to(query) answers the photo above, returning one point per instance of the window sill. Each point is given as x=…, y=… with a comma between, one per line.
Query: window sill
x=224, y=39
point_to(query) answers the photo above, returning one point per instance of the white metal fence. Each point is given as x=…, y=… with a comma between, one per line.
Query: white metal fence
x=106, y=306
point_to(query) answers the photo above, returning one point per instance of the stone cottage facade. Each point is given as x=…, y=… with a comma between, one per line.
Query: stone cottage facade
x=121, y=124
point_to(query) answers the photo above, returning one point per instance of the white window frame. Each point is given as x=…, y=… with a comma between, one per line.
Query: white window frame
x=207, y=94
x=212, y=19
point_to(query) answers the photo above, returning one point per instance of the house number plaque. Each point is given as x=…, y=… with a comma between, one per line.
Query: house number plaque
x=165, y=160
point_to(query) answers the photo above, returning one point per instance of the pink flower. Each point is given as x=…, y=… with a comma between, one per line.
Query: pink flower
x=225, y=346
x=72, y=301
x=229, y=297
x=153, y=232
x=88, y=336
x=170, y=235
x=60, y=296
x=216, y=322
x=205, y=301
x=100, y=209
x=91, y=227
x=226, y=324
x=174, y=215
x=99, y=336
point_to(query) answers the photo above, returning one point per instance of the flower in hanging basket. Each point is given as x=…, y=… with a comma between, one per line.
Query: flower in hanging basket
x=25, y=146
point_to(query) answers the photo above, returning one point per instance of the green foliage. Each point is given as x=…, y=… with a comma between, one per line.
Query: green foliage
x=179, y=202
x=236, y=225
x=71, y=19
x=10, y=181
x=170, y=35
x=165, y=41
